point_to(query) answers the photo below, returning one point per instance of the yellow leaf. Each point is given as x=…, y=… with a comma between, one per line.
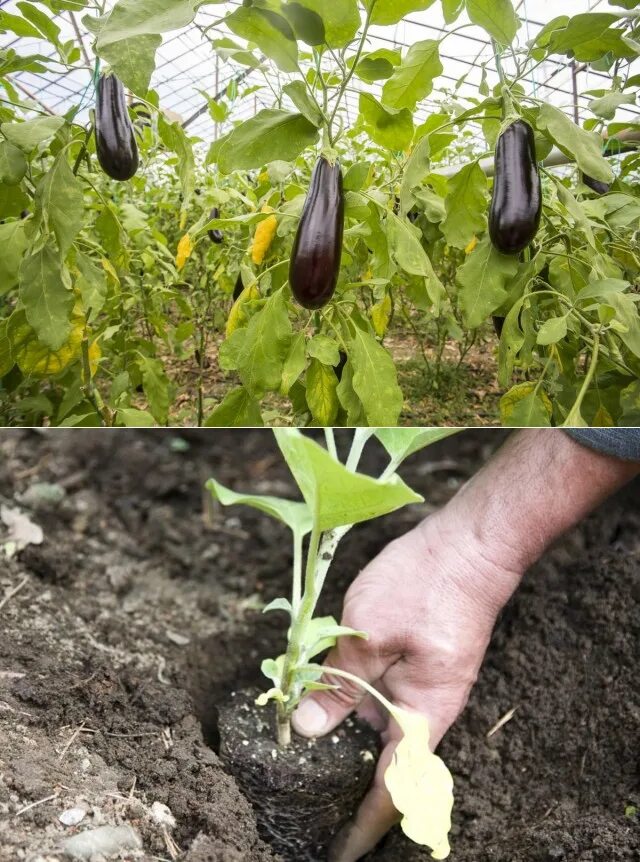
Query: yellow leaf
x=263, y=237
x=237, y=315
x=109, y=269
x=381, y=315
x=603, y=418
x=185, y=247
x=95, y=355
x=263, y=177
x=420, y=785
x=367, y=275
x=472, y=246
x=37, y=360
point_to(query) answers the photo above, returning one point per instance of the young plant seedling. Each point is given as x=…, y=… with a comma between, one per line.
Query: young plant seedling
x=335, y=498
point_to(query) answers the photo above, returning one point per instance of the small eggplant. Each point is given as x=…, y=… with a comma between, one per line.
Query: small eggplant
x=317, y=249
x=516, y=208
x=596, y=186
x=115, y=137
x=215, y=235
x=237, y=290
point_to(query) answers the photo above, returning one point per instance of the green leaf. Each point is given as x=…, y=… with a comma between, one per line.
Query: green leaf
x=262, y=27
x=59, y=203
x=272, y=134
x=525, y=406
x=322, y=634
x=375, y=380
x=156, y=387
x=378, y=65
x=324, y=349
x=607, y=106
x=265, y=347
x=295, y=515
x=239, y=409
x=45, y=291
x=416, y=169
x=92, y=284
x=552, y=331
x=133, y=18
x=466, y=205
x=294, y=364
x=48, y=28
x=409, y=253
x=278, y=605
x=131, y=417
x=387, y=12
x=497, y=17
x=175, y=139
x=322, y=398
x=341, y=19
x=13, y=243
x=336, y=496
x=484, y=279
x=308, y=26
x=413, y=80
x=579, y=30
x=300, y=97
x=13, y=164
x=627, y=320
x=400, y=443
x=391, y=129
x=133, y=60
x=29, y=133
x=585, y=147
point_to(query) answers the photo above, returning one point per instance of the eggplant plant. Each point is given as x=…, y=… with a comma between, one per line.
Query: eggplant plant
x=336, y=496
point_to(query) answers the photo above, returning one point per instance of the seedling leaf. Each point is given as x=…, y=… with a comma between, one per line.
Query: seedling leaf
x=295, y=515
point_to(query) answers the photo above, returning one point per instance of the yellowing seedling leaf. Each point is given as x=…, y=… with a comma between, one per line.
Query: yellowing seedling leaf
x=420, y=785
x=185, y=247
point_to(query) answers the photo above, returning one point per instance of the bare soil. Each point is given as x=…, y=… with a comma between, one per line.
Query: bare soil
x=140, y=612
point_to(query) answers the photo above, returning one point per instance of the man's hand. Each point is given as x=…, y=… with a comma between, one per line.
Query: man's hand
x=430, y=600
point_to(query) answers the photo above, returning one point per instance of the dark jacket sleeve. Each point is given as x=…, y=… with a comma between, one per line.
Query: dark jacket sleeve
x=622, y=443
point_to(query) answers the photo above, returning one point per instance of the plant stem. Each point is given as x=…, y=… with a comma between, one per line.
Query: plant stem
x=296, y=593
x=331, y=443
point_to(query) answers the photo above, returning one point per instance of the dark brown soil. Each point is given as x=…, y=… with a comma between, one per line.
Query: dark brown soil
x=140, y=612
x=303, y=794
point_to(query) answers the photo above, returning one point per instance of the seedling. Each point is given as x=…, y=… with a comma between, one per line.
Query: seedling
x=335, y=498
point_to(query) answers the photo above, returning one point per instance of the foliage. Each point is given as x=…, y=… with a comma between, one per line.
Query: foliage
x=102, y=298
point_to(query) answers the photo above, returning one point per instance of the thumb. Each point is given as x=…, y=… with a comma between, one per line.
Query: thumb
x=320, y=712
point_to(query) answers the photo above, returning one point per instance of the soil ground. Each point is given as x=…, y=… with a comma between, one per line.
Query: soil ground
x=140, y=611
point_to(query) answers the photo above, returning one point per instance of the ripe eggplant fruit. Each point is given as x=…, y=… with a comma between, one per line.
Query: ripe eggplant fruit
x=317, y=249
x=597, y=186
x=115, y=138
x=237, y=290
x=215, y=235
x=516, y=208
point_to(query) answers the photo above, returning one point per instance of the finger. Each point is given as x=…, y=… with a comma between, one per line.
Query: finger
x=319, y=713
x=373, y=819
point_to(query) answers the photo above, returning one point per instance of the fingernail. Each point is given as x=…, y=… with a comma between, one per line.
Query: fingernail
x=310, y=719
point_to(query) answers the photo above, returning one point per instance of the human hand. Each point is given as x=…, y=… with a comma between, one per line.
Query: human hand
x=430, y=600
x=428, y=604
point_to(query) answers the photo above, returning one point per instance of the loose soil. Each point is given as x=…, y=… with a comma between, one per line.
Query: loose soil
x=139, y=613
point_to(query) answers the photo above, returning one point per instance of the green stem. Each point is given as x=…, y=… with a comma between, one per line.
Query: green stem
x=330, y=439
x=575, y=416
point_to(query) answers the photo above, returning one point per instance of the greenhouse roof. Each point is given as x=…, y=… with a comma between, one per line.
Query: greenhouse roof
x=187, y=68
